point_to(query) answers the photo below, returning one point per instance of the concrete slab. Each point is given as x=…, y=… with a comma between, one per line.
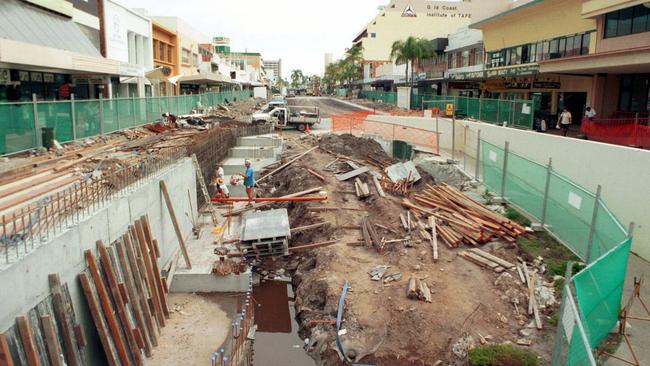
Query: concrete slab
x=262, y=225
x=200, y=278
x=255, y=152
x=236, y=165
x=261, y=140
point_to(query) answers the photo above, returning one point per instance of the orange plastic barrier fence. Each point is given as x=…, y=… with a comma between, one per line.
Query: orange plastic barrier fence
x=617, y=131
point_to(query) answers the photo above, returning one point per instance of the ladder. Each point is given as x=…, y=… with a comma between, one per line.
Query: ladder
x=204, y=189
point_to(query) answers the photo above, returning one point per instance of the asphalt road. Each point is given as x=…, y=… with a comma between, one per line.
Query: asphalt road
x=327, y=106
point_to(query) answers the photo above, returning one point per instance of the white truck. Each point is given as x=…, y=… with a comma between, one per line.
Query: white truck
x=283, y=115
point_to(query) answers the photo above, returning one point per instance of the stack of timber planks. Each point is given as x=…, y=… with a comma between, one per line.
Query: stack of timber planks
x=461, y=219
x=127, y=273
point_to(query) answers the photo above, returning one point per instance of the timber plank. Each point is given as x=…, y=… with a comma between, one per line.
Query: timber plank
x=51, y=342
x=5, y=354
x=70, y=346
x=28, y=341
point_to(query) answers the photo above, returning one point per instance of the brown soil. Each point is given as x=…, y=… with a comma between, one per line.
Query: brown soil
x=198, y=324
x=383, y=326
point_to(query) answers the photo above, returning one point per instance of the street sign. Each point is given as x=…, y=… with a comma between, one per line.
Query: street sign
x=450, y=109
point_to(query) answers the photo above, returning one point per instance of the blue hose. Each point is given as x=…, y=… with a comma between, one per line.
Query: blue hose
x=339, y=317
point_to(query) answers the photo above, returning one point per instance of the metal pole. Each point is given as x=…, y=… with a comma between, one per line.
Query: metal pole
x=37, y=137
x=549, y=170
x=453, y=136
x=117, y=113
x=73, y=118
x=580, y=326
x=135, y=117
x=505, y=170
x=480, y=109
x=101, y=114
x=630, y=230
x=592, y=227
x=478, y=155
x=465, y=148
x=437, y=137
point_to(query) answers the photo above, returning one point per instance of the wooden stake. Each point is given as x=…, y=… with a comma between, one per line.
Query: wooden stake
x=138, y=278
x=64, y=321
x=5, y=354
x=51, y=342
x=127, y=327
x=28, y=341
x=100, y=324
x=320, y=177
x=434, y=238
x=144, y=255
x=107, y=308
x=172, y=214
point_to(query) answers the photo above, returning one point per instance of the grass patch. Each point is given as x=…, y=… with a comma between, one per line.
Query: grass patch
x=502, y=355
x=556, y=256
x=515, y=216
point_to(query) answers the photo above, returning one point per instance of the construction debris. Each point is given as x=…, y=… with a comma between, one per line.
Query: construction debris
x=462, y=220
x=418, y=290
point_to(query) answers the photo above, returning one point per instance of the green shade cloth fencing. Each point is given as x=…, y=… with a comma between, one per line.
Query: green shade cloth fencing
x=377, y=95
x=19, y=127
x=599, y=289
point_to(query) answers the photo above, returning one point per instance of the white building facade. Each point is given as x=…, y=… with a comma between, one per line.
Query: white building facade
x=128, y=38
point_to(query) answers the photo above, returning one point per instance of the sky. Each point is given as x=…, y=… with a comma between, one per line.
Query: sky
x=299, y=32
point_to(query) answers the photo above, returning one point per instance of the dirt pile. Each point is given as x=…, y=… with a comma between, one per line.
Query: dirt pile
x=239, y=111
x=355, y=147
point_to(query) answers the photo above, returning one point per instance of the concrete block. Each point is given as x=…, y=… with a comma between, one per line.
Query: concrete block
x=262, y=140
x=261, y=225
x=207, y=282
x=254, y=152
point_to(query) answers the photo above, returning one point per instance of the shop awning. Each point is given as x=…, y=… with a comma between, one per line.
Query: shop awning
x=26, y=23
x=156, y=74
x=211, y=78
x=629, y=61
x=132, y=80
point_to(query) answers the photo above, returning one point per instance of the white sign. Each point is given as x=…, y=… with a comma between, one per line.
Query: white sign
x=568, y=321
x=575, y=200
x=493, y=156
x=525, y=109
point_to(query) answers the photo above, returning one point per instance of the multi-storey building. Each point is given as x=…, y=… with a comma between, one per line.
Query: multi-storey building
x=52, y=49
x=276, y=67
x=419, y=18
x=618, y=61
x=165, y=59
x=516, y=42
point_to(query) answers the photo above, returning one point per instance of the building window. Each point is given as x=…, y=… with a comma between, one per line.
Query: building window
x=635, y=93
x=170, y=50
x=627, y=21
x=161, y=51
x=472, y=57
x=195, y=59
x=185, y=56
x=373, y=35
x=464, y=58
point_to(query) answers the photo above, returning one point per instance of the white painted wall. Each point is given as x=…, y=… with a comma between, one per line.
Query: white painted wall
x=128, y=37
x=27, y=281
x=622, y=172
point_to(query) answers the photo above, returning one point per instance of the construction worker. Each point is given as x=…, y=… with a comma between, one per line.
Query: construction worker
x=249, y=181
x=218, y=180
x=170, y=119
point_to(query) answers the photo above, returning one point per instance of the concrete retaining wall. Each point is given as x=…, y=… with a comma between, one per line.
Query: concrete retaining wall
x=622, y=171
x=25, y=284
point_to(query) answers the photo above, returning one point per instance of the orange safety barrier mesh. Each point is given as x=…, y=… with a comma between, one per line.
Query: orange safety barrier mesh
x=356, y=123
x=617, y=131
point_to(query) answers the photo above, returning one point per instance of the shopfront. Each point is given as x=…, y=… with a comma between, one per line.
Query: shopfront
x=20, y=85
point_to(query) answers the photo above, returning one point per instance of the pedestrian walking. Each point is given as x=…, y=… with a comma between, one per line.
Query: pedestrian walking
x=565, y=121
x=590, y=113
x=249, y=181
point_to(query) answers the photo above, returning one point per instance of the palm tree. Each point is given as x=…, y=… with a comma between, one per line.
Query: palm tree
x=297, y=78
x=350, y=66
x=409, y=51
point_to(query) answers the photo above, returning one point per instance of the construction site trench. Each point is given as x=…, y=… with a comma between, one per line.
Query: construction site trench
x=469, y=305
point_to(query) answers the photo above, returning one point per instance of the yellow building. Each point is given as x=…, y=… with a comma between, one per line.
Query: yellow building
x=420, y=18
x=619, y=62
x=518, y=40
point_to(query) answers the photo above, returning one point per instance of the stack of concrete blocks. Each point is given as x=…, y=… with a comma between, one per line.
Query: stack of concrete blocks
x=265, y=233
x=262, y=151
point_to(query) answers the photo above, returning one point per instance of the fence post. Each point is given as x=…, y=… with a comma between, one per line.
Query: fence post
x=592, y=227
x=581, y=329
x=135, y=116
x=480, y=109
x=512, y=113
x=465, y=148
x=437, y=136
x=73, y=118
x=549, y=170
x=117, y=113
x=453, y=135
x=505, y=170
x=478, y=155
x=630, y=230
x=101, y=114
x=37, y=137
